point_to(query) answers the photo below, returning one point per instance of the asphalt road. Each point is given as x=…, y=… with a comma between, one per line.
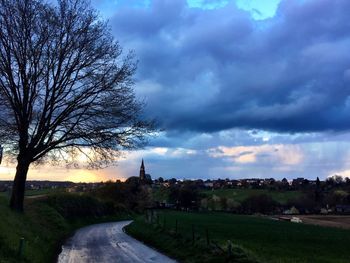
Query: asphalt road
x=107, y=243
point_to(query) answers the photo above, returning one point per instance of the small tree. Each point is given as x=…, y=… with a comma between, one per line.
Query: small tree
x=65, y=87
x=260, y=203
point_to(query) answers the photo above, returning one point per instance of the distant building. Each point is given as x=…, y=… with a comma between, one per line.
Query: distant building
x=342, y=209
x=298, y=182
x=143, y=176
x=209, y=184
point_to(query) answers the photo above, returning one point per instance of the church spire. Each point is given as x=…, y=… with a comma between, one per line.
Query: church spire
x=142, y=171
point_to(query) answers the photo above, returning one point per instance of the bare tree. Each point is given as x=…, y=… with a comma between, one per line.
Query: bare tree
x=65, y=87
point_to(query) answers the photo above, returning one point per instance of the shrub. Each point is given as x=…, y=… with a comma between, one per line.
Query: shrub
x=73, y=206
x=261, y=203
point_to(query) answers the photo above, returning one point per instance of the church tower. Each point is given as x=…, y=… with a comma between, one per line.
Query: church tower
x=142, y=172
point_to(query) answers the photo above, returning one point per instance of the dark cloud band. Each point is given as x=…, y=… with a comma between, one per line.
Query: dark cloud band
x=219, y=69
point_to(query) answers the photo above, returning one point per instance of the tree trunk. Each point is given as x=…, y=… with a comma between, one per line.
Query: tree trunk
x=17, y=197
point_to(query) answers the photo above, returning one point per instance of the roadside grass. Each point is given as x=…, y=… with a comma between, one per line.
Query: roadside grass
x=43, y=229
x=269, y=240
x=240, y=195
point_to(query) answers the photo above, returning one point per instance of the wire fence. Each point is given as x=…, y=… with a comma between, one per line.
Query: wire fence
x=189, y=233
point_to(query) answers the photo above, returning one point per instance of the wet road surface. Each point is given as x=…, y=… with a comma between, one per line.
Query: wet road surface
x=107, y=243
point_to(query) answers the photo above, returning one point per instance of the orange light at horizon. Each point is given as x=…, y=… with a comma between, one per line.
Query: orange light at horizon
x=64, y=174
x=6, y=172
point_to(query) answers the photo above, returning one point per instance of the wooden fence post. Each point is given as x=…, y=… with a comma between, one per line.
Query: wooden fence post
x=192, y=234
x=149, y=216
x=207, y=236
x=229, y=248
x=21, y=247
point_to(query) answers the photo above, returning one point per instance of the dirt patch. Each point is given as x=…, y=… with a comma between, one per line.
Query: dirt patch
x=327, y=220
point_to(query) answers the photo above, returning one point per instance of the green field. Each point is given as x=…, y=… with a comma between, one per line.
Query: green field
x=237, y=195
x=240, y=195
x=268, y=240
x=44, y=191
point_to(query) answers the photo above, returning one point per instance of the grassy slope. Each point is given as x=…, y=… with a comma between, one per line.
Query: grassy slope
x=45, y=191
x=270, y=241
x=42, y=227
x=241, y=194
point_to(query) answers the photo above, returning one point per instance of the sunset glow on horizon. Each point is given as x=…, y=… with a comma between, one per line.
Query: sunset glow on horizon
x=75, y=175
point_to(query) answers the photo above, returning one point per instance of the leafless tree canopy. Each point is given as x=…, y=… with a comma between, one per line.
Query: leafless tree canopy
x=65, y=84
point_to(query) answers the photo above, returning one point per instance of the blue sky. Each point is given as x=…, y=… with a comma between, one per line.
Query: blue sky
x=244, y=88
x=259, y=9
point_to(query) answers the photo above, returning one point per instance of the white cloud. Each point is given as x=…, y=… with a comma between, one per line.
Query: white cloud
x=344, y=173
x=282, y=154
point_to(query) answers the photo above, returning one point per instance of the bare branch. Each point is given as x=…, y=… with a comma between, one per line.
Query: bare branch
x=65, y=83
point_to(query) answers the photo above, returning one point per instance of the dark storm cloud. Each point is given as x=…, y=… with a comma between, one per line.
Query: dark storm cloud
x=211, y=70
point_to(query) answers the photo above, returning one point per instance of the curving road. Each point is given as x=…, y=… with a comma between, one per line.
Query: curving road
x=107, y=243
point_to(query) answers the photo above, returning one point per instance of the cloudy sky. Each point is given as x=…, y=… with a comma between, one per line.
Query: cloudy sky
x=241, y=88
